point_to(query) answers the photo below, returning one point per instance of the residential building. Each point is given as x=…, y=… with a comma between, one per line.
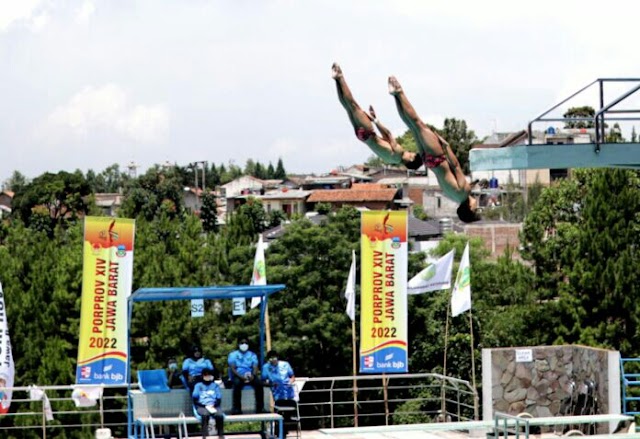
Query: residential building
x=109, y=203
x=6, y=198
x=370, y=196
x=242, y=186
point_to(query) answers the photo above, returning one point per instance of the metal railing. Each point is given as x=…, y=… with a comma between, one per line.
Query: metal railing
x=386, y=399
x=324, y=402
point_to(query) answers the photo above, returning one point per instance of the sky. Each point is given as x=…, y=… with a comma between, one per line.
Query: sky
x=85, y=84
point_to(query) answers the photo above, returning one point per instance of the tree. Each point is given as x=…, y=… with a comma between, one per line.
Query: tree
x=323, y=208
x=254, y=211
x=16, y=182
x=408, y=142
x=276, y=217
x=271, y=172
x=209, y=213
x=53, y=199
x=579, y=112
x=250, y=167
x=461, y=139
x=280, y=173
x=615, y=134
x=634, y=135
x=582, y=237
x=374, y=162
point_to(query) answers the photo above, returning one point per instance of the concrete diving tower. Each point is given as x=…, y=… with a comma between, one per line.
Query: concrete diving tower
x=521, y=151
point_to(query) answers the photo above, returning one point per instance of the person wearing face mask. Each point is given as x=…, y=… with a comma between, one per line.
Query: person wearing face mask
x=193, y=366
x=279, y=375
x=206, y=400
x=243, y=369
x=174, y=376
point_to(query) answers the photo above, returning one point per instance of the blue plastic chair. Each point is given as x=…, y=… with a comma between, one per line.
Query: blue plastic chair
x=153, y=381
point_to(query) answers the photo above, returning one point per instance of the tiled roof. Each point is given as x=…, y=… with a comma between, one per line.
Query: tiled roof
x=351, y=195
x=423, y=228
x=10, y=193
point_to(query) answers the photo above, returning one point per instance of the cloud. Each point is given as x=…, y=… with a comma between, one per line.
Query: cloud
x=85, y=12
x=27, y=11
x=105, y=110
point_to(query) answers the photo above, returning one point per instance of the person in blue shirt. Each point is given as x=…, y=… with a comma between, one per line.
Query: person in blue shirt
x=193, y=366
x=206, y=399
x=243, y=369
x=279, y=375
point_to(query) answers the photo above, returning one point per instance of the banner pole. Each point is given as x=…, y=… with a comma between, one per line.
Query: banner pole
x=385, y=390
x=443, y=403
x=473, y=367
x=267, y=326
x=355, y=381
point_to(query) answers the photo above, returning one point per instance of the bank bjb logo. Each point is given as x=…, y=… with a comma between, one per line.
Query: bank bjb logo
x=368, y=361
x=429, y=272
x=85, y=372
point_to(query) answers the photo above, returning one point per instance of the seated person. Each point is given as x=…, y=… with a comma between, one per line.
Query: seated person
x=206, y=400
x=193, y=366
x=243, y=368
x=279, y=375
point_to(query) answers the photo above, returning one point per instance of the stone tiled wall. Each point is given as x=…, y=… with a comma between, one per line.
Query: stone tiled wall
x=539, y=386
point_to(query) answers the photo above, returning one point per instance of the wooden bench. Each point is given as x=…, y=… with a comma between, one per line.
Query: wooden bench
x=175, y=408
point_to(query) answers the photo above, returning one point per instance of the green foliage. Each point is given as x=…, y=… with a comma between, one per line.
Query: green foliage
x=209, y=213
x=280, y=172
x=254, y=211
x=461, y=139
x=580, y=283
x=418, y=212
x=582, y=237
x=323, y=208
x=579, y=112
x=52, y=200
x=276, y=217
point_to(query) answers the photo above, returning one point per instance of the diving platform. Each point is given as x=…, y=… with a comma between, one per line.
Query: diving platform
x=584, y=143
x=578, y=155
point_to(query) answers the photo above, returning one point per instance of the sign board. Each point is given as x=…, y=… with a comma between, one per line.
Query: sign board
x=197, y=308
x=239, y=306
x=524, y=355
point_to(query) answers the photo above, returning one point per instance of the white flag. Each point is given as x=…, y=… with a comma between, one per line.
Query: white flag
x=461, y=295
x=259, y=276
x=7, y=370
x=436, y=276
x=350, y=291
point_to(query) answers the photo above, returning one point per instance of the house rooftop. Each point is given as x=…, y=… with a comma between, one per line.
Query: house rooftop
x=351, y=195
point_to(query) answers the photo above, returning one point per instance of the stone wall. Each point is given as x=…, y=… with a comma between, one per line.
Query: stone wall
x=539, y=380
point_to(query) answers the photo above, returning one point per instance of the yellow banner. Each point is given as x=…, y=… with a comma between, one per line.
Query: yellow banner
x=383, y=307
x=106, y=284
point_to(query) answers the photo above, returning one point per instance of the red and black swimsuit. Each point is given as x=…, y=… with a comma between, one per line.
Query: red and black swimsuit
x=433, y=161
x=364, y=134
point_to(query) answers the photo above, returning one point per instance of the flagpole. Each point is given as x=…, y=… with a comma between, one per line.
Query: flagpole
x=267, y=327
x=473, y=367
x=355, y=381
x=443, y=402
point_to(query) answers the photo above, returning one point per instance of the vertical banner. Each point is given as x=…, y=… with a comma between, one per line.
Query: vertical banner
x=106, y=285
x=7, y=369
x=383, y=298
